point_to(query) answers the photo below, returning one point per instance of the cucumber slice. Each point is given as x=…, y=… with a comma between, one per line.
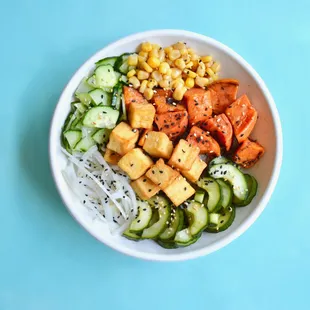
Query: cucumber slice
x=79, y=106
x=121, y=64
x=73, y=137
x=117, y=96
x=91, y=81
x=184, y=238
x=158, y=227
x=143, y=218
x=105, y=76
x=106, y=61
x=214, y=219
x=85, y=144
x=158, y=201
x=226, y=193
x=199, y=196
x=131, y=235
x=101, y=117
x=234, y=176
x=101, y=136
x=123, y=79
x=198, y=217
x=78, y=125
x=226, y=218
x=84, y=87
x=214, y=199
x=218, y=160
x=98, y=96
x=85, y=98
x=175, y=225
x=167, y=244
x=69, y=120
x=252, y=190
x=124, y=112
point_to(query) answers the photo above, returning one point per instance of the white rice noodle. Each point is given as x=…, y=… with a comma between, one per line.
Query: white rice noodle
x=102, y=190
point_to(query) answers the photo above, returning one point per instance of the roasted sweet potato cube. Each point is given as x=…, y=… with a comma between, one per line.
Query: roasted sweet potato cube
x=161, y=174
x=157, y=144
x=144, y=187
x=179, y=191
x=123, y=138
x=195, y=172
x=184, y=155
x=135, y=163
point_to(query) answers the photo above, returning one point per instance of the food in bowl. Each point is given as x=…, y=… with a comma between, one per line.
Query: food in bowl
x=155, y=144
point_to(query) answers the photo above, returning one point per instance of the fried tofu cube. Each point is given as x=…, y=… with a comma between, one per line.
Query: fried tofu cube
x=157, y=144
x=141, y=115
x=161, y=174
x=111, y=157
x=184, y=155
x=123, y=138
x=194, y=173
x=144, y=187
x=179, y=191
x=135, y=163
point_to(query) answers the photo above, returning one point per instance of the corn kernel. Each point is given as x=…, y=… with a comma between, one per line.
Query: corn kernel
x=201, y=70
x=146, y=46
x=161, y=55
x=168, y=49
x=164, y=67
x=132, y=60
x=174, y=54
x=141, y=60
x=167, y=77
x=177, y=82
x=190, y=82
x=153, y=62
x=156, y=46
x=143, y=75
x=215, y=77
x=152, y=83
x=216, y=67
x=189, y=65
x=144, y=54
x=190, y=73
x=191, y=51
x=169, y=72
x=179, y=93
x=201, y=81
x=148, y=93
x=195, y=65
x=180, y=63
x=194, y=57
x=209, y=64
x=146, y=67
x=131, y=73
x=134, y=81
x=175, y=73
x=156, y=76
x=206, y=58
x=154, y=53
x=184, y=51
x=164, y=83
x=143, y=86
x=179, y=46
x=210, y=72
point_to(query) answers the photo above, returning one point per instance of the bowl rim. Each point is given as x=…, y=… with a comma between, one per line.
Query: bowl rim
x=266, y=195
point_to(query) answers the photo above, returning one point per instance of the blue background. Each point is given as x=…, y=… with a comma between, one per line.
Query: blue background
x=46, y=260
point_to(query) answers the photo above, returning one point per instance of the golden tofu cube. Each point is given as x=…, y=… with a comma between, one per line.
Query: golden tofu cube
x=194, y=173
x=144, y=187
x=161, y=174
x=184, y=155
x=157, y=144
x=135, y=163
x=179, y=191
x=141, y=115
x=111, y=157
x=123, y=138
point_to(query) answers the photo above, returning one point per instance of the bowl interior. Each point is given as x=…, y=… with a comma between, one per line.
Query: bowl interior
x=266, y=132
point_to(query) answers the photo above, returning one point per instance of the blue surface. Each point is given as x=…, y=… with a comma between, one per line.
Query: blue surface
x=47, y=261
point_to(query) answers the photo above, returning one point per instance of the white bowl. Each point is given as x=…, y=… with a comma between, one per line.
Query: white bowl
x=267, y=131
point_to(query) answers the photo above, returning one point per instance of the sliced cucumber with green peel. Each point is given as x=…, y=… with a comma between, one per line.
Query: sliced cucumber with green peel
x=167, y=244
x=131, y=235
x=107, y=61
x=101, y=117
x=85, y=98
x=214, y=219
x=101, y=136
x=98, y=96
x=198, y=217
x=143, y=218
x=123, y=79
x=252, y=190
x=219, y=160
x=199, y=196
x=69, y=120
x=175, y=225
x=184, y=238
x=121, y=64
x=79, y=106
x=214, y=199
x=226, y=193
x=73, y=137
x=226, y=218
x=158, y=227
x=84, y=87
x=117, y=96
x=158, y=201
x=234, y=176
x=85, y=144
x=105, y=76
